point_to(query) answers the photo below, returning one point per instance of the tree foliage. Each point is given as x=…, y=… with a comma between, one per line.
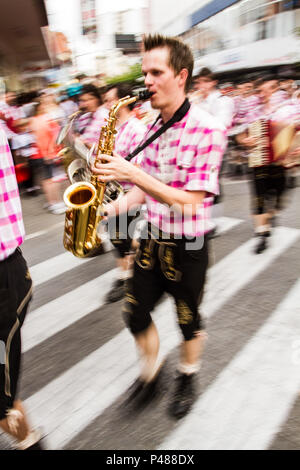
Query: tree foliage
x=132, y=75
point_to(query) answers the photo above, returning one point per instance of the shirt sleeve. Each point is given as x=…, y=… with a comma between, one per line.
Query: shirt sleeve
x=203, y=173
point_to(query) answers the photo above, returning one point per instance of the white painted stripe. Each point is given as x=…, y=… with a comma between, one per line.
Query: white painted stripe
x=229, y=183
x=224, y=224
x=60, y=313
x=245, y=407
x=55, y=266
x=43, y=232
x=104, y=377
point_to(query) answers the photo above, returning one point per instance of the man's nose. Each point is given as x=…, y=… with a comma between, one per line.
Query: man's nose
x=148, y=80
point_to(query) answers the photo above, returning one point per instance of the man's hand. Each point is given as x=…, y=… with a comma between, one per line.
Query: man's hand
x=116, y=168
x=250, y=141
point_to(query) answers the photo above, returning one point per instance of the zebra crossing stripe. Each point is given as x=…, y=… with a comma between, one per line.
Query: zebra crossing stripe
x=53, y=267
x=101, y=377
x=238, y=268
x=246, y=405
x=81, y=301
x=62, y=312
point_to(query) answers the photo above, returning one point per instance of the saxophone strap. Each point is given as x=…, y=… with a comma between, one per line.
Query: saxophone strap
x=177, y=116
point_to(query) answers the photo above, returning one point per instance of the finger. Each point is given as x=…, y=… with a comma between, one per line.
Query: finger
x=105, y=178
x=107, y=158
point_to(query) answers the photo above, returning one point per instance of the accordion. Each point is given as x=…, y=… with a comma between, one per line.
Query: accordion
x=275, y=141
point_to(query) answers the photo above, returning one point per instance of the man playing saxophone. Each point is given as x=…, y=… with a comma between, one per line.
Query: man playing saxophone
x=177, y=179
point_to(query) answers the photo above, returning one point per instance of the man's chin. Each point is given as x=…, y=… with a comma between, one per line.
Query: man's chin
x=154, y=104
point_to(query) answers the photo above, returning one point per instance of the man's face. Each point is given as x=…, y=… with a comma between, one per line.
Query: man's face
x=205, y=85
x=160, y=78
x=287, y=85
x=88, y=103
x=266, y=90
x=110, y=98
x=247, y=89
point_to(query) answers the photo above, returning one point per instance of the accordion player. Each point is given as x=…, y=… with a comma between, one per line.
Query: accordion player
x=276, y=144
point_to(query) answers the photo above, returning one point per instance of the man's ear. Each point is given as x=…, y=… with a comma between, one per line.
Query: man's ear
x=183, y=76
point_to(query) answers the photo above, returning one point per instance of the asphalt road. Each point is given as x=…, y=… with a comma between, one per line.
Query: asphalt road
x=79, y=360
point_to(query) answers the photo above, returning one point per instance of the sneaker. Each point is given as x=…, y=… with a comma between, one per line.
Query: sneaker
x=261, y=245
x=183, y=397
x=117, y=292
x=58, y=208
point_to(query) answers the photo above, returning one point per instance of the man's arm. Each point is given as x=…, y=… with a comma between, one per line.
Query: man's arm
x=134, y=198
x=117, y=168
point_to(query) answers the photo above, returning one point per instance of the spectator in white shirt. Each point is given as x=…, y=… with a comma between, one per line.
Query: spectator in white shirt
x=209, y=98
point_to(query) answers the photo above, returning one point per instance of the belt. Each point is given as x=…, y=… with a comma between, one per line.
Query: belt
x=12, y=256
x=156, y=233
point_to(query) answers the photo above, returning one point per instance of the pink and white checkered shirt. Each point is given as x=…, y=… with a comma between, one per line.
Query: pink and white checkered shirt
x=266, y=111
x=12, y=231
x=128, y=137
x=245, y=106
x=187, y=156
x=92, y=132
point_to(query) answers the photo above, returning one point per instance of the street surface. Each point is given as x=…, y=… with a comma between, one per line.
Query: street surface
x=79, y=360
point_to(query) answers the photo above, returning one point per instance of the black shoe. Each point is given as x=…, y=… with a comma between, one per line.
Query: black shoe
x=134, y=390
x=36, y=446
x=117, y=292
x=261, y=245
x=142, y=393
x=183, y=397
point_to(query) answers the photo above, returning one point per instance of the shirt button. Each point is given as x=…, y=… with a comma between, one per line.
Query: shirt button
x=180, y=167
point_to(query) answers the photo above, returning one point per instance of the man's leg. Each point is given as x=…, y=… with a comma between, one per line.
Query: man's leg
x=191, y=351
x=188, y=293
x=261, y=216
x=143, y=291
x=148, y=346
x=14, y=303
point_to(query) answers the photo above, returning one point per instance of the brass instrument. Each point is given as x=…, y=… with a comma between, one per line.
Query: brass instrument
x=75, y=154
x=85, y=199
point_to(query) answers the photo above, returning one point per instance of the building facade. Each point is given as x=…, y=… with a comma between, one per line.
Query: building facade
x=228, y=35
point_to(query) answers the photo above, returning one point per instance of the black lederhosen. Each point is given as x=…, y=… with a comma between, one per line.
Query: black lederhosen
x=121, y=231
x=15, y=294
x=269, y=184
x=167, y=265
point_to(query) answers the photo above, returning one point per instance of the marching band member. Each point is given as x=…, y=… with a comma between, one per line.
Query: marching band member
x=16, y=291
x=177, y=178
x=269, y=177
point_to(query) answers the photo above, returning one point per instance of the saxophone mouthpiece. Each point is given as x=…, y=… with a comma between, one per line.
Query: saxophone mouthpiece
x=145, y=94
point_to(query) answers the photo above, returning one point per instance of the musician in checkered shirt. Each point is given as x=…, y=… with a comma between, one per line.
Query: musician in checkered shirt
x=268, y=177
x=177, y=179
x=130, y=132
x=15, y=294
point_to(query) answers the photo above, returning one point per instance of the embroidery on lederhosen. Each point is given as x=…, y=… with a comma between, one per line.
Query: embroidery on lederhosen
x=27, y=275
x=185, y=315
x=144, y=257
x=166, y=257
x=128, y=302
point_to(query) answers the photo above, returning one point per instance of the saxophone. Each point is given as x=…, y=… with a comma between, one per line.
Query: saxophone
x=85, y=199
